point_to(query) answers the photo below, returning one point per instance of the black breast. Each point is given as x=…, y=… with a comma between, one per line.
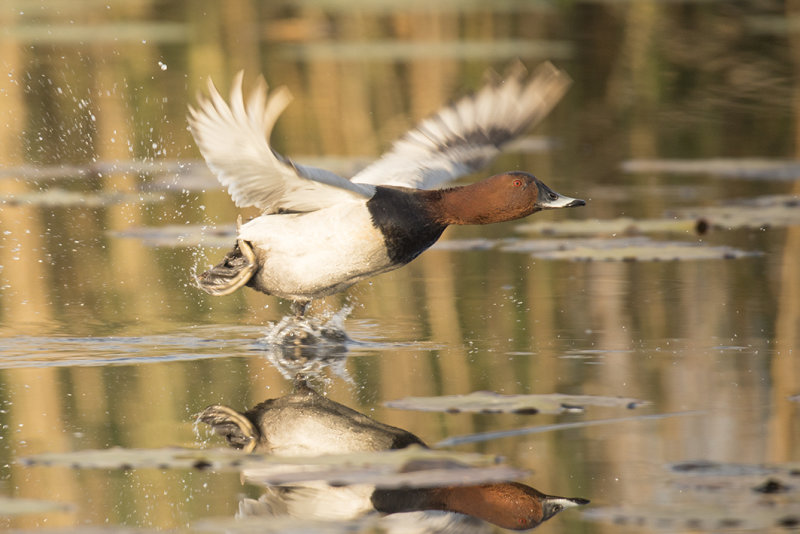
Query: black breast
x=407, y=221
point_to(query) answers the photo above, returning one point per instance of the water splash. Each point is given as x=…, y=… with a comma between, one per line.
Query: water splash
x=203, y=434
x=306, y=346
x=324, y=330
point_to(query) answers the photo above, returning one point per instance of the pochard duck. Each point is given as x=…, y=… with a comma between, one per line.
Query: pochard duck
x=305, y=423
x=320, y=233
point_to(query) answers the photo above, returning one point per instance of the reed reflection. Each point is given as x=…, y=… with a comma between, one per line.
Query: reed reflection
x=305, y=423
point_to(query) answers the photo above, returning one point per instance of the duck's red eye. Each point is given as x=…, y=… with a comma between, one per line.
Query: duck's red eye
x=517, y=183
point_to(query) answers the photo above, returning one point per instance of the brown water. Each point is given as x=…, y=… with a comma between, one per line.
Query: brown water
x=104, y=341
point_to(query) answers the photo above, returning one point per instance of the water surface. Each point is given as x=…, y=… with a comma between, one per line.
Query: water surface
x=105, y=342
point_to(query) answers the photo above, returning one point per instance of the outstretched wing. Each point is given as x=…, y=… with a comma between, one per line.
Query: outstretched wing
x=234, y=140
x=466, y=135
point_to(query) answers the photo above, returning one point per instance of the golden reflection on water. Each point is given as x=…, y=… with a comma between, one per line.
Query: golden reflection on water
x=717, y=336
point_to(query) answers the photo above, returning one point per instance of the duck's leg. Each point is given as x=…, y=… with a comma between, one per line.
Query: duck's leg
x=236, y=427
x=299, y=308
x=234, y=271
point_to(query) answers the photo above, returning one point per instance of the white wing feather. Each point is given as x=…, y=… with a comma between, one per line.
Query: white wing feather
x=234, y=141
x=468, y=134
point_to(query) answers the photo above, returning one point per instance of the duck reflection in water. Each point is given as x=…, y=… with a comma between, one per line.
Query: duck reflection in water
x=291, y=359
x=305, y=423
x=307, y=346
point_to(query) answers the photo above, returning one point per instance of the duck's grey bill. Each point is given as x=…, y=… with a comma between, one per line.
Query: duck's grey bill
x=562, y=202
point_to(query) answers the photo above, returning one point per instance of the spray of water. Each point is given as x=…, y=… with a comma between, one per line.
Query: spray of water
x=309, y=345
x=326, y=329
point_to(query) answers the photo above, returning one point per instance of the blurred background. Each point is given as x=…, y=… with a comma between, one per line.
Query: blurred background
x=107, y=211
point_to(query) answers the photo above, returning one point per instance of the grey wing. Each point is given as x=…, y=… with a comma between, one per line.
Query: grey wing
x=234, y=140
x=466, y=135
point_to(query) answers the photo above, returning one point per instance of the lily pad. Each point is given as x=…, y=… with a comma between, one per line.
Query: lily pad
x=763, y=169
x=490, y=402
x=408, y=50
x=167, y=458
x=540, y=429
x=279, y=524
x=382, y=462
x=705, y=468
x=718, y=469
x=466, y=244
x=712, y=496
x=701, y=516
x=99, y=529
x=409, y=467
x=61, y=198
x=624, y=249
x=100, y=32
x=761, y=212
x=10, y=506
x=181, y=235
x=98, y=169
x=757, y=213
x=609, y=227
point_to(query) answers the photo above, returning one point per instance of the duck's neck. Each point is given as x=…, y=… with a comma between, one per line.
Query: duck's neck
x=508, y=505
x=477, y=203
x=457, y=205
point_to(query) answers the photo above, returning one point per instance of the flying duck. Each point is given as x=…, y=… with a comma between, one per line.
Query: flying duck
x=320, y=233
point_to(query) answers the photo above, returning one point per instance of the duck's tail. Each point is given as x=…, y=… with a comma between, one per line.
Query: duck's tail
x=233, y=272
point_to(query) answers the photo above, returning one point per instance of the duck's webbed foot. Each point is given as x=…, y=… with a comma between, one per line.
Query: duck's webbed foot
x=234, y=271
x=299, y=308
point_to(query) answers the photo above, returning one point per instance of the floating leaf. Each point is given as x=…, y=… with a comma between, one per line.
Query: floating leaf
x=609, y=227
x=408, y=50
x=167, y=458
x=98, y=169
x=737, y=477
x=761, y=212
x=185, y=235
x=540, y=429
x=466, y=244
x=490, y=402
x=99, y=32
x=99, y=529
x=409, y=467
x=212, y=342
x=703, y=495
x=625, y=249
x=15, y=506
x=701, y=516
x=704, y=468
x=189, y=175
x=283, y=524
x=731, y=168
x=59, y=198
x=387, y=469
